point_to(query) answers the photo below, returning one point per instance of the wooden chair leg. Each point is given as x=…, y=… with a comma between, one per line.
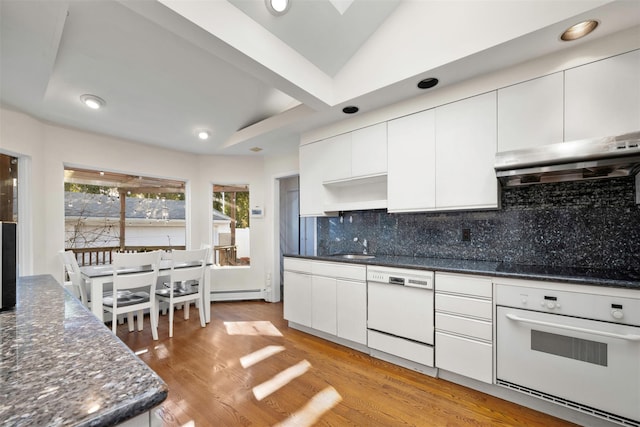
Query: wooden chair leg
x=140, y=315
x=170, y=320
x=201, y=313
x=185, y=308
x=130, y=321
x=153, y=315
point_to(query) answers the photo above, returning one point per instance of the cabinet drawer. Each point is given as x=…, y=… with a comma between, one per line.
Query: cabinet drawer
x=463, y=284
x=297, y=264
x=473, y=328
x=466, y=357
x=464, y=305
x=339, y=270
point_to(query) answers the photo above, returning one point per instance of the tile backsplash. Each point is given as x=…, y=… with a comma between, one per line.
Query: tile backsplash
x=594, y=224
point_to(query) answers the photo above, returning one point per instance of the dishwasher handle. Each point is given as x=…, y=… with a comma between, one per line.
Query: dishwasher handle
x=396, y=280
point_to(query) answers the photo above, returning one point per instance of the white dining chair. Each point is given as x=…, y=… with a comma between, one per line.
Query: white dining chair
x=186, y=283
x=136, y=273
x=72, y=268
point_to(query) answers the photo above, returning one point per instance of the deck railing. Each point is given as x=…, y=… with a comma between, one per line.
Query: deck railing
x=104, y=254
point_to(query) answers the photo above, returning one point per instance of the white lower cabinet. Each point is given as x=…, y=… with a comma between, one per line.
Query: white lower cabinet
x=464, y=325
x=324, y=304
x=330, y=297
x=464, y=356
x=351, y=297
x=297, y=302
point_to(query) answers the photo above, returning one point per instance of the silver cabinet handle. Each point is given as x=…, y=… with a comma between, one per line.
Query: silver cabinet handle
x=628, y=337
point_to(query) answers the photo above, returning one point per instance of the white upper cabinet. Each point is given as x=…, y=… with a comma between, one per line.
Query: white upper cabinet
x=337, y=155
x=411, y=163
x=603, y=97
x=466, y=142
x=531, y=113
x=311, y=176
x=369, y=151
x=358, y=154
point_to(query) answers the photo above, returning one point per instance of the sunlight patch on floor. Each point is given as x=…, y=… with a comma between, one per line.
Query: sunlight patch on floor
x=280, y=380
x=260, y=355
x=189, y=424
x=161, y=351
x=252, y=328
x=313, y=410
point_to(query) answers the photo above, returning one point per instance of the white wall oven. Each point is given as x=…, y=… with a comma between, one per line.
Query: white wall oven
x=578, y=349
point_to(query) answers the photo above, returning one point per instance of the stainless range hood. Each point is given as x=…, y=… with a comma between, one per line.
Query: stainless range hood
x=571, y=161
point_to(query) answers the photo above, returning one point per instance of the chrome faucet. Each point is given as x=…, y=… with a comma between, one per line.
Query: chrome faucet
x=364, y=244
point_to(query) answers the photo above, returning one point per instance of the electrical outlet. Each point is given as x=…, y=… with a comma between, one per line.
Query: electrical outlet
x=466, y=235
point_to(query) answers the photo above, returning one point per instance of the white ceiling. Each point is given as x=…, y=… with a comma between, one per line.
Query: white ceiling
x=168, y=68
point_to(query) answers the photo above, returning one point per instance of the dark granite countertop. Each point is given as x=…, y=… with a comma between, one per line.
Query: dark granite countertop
x=597, y=277
x=60, y=366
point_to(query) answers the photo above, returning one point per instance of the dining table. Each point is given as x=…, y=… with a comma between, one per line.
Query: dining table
x=96, y=276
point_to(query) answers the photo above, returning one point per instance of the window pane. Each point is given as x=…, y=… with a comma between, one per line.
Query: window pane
x=231, y=225
x=108, y=212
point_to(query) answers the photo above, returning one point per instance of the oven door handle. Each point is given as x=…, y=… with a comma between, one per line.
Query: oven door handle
x=628, y=337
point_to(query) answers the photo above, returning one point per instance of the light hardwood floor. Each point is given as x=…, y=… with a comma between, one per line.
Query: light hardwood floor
x=330, y=385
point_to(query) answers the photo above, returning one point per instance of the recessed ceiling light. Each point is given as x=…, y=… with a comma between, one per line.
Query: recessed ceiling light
x=255, y=149
x=92, y=101
x=204, y=134
x=351, y=109
x=428, y=83
x=579, y=30
x=278, y=7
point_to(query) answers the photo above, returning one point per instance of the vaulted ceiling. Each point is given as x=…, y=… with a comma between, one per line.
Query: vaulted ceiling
x=170, y=68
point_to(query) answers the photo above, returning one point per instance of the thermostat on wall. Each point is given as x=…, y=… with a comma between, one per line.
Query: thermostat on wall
x=257, y=212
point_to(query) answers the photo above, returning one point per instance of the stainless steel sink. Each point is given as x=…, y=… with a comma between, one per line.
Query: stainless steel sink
x=356, y=256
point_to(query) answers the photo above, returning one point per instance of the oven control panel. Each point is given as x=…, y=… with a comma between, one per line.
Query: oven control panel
x=606, y=307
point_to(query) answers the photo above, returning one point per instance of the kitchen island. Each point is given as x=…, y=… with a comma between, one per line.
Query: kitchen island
x=62, y=366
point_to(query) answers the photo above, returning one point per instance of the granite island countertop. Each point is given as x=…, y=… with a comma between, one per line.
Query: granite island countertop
x=586, y=276
x=60, y=366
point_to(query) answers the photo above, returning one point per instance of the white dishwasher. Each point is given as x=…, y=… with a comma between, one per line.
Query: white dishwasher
x=400, y=315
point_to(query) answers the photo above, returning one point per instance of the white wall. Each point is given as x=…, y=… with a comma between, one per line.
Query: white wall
x=22, y=136
x=281, y=165
x=51, y=147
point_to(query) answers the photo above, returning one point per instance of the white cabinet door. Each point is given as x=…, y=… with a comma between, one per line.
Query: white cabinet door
x=323, y=304
x=352, y=310
x=411, y=163
x=297, y=298
x=603, y=98
x=464, y=356
x=336, y=163
x=311, y=176
x=369, y=151
x=531, y=114
x=465, y=153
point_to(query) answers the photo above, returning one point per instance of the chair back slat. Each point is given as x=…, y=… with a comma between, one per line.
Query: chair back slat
x=188, y=265
x=148, y=262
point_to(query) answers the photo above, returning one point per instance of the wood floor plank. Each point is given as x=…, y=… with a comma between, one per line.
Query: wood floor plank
x=208, y=386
